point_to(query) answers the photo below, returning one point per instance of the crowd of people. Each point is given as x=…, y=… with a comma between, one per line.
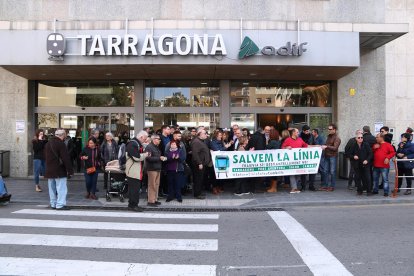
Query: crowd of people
x=171, y=161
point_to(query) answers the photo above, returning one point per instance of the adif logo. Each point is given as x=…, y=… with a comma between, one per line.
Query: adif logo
x=56, y=46
x=249, y=48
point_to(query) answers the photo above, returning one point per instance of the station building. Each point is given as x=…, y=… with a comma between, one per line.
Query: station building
x=122, y=65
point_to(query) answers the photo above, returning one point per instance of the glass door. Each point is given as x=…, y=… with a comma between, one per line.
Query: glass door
x=80, y=126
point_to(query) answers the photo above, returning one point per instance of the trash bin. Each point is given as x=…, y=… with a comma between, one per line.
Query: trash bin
x=344, y=166
x=4, y=163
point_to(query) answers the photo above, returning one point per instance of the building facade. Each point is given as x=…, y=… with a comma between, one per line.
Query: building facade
x=121, y=65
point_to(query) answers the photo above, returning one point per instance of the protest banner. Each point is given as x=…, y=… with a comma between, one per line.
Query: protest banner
x=262, y=163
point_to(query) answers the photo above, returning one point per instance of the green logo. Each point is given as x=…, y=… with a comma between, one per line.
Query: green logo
x=248, y=48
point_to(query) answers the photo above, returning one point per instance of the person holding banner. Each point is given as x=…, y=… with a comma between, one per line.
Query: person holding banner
x=273, y=143
x=241, y=183
x=294, y=141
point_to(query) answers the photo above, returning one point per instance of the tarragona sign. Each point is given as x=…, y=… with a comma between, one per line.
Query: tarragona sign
x=164, y=45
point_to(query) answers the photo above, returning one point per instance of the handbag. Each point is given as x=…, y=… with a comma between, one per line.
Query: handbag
x=91, y=170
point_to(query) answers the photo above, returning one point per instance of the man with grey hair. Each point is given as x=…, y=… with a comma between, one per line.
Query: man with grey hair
x=58, y=168
x=349, y=145
x=109, y=151
x=134, y=168
x=154, y=166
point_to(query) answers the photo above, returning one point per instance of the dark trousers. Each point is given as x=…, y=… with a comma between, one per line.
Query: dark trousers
x=363, y=177
x=163, y=183
x=90, y=181
x=175, y=183
x=240, y=186
x=199, y=177
x=405, y=172
x=133, y=191
x=106, y=178
x=252, y=182
x=351, y=176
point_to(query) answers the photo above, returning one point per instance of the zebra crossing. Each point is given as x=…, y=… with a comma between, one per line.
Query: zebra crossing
x=164, y=232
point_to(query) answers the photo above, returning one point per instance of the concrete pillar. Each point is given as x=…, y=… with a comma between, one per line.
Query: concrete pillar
x=139, y=93
x=225, y=103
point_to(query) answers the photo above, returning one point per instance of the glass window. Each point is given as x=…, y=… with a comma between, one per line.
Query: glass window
x=282, y=121
x=321, y=122
x=122, y=123
x=281, y=94
x=47, y=121
x=183, y=120
x=77, y=94
x=179, y=94
x=243, y=121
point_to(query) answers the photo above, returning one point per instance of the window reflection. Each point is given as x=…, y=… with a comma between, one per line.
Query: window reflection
x=184, y=120
x=182, y=96
x=85, y=94
x=243, y=121
x=280, y=95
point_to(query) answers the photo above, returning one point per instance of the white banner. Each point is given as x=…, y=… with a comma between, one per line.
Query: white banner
x=262, y=163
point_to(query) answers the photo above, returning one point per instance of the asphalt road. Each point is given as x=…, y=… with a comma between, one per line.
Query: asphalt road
x=340, y=240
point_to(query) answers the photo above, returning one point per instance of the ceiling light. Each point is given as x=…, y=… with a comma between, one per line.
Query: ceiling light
x=108, y=74
x=203, y=83
x=246, y=83
x=122, y=83
x=253, y=74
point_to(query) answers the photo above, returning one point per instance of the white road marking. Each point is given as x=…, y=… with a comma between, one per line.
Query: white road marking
x=319, y=260
x=36, y=267
x=125, y=214
x=110, y=225
x=262, y=267
x=109, y=242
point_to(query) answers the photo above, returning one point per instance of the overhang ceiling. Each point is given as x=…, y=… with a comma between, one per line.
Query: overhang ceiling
x=168, y=72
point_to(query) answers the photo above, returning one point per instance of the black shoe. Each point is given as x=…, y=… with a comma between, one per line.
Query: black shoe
x=157, y=202
x=169, y=199
x=385, y=194
x=52, y=207
x=312, y=188
x=200, y=197
x=135, y=209
x=152, y=204
x=359, y=193
x=64, y=208
x=375, y=192
x=180, y=200
x=381, y=187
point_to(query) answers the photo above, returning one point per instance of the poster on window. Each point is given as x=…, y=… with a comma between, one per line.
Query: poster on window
x=263, y=163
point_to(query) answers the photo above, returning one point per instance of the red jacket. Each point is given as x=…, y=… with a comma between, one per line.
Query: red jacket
x=294, y=143
x=386, y=150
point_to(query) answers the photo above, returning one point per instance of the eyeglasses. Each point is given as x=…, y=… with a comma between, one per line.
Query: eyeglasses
x=360, y=137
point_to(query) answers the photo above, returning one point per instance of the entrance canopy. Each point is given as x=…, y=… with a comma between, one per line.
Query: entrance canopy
x=190, y=54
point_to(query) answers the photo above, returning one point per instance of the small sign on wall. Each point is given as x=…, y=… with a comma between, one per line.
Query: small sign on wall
x=378, y=126
x=20, y=126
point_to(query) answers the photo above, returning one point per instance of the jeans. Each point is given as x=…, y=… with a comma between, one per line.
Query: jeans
x=91, y=180
x=329, y=167
x=57, y=192
x=384, y=173
x=38, y=169
x=2, y=187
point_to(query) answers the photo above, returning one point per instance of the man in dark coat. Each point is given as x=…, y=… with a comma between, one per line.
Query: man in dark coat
x=58, y=168
x=256, y=142
x=201, y=159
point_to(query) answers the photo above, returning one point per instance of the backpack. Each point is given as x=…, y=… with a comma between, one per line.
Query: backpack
x=122, y=155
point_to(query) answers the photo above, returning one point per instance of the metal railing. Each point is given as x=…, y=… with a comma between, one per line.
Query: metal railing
x=396, y=188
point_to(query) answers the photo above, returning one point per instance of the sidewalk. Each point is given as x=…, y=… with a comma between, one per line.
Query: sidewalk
x=23, y=191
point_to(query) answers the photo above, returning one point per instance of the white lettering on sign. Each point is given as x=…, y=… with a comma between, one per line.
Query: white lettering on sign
x=165, y=45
